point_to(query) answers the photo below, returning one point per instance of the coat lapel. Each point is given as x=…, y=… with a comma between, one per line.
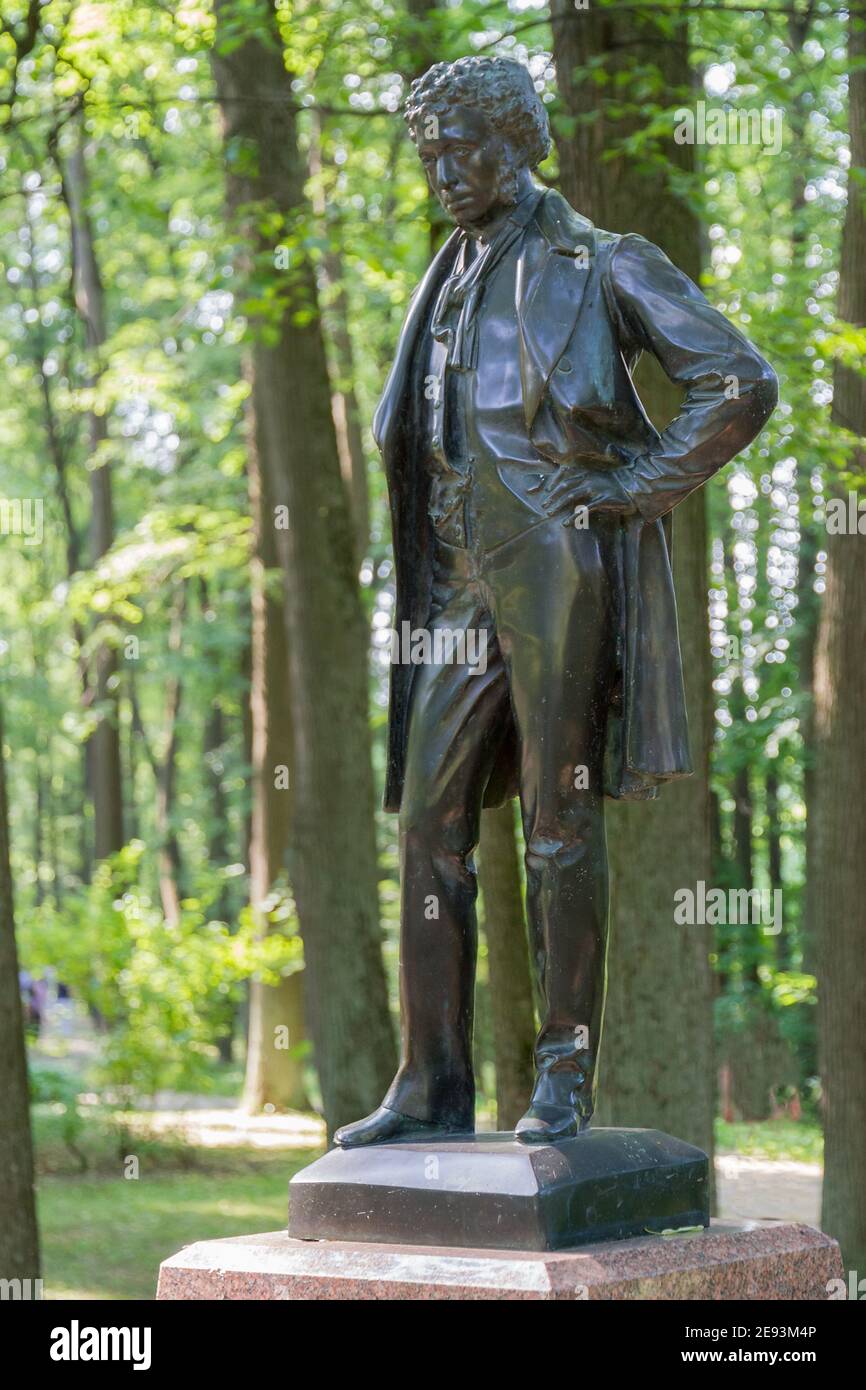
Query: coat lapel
x=552, y=274
x=389, y=410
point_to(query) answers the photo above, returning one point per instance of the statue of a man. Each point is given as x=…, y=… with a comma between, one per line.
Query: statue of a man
x=531, y=501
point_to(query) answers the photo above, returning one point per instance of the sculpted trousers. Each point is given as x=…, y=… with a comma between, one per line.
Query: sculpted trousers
x=545, y=602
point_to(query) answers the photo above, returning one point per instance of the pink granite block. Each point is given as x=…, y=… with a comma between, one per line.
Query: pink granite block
x=752, y=1260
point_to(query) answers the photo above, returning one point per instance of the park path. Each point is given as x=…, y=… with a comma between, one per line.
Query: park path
x=768, y=1188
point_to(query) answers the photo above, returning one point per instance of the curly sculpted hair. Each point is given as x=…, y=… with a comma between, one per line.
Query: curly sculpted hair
x=500, y=87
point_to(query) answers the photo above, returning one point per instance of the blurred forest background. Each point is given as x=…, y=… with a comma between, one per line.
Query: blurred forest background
x=211, y=220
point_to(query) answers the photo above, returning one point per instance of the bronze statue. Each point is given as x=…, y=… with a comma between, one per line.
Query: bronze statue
x=531, y=501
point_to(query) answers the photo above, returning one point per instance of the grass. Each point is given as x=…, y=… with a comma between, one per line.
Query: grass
x=798, y=1141
x=104, y=1237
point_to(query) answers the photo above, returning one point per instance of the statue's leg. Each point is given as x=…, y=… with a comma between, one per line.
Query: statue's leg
x=456, y=724
x=555, y=623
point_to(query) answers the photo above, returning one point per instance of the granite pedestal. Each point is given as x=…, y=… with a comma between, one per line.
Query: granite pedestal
x=752, y=1260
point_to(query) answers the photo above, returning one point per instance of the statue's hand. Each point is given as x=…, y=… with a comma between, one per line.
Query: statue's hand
x=569, y=488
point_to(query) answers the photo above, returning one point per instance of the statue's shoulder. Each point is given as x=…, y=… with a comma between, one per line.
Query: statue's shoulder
x=567, y=230
x=637, y=263
x=560, y=224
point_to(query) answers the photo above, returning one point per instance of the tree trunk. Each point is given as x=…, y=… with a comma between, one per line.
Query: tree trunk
x=39, y=832
x=774, y=859
x=105, y=761
x=274, y=1073
x=840, y=758
x=59, y=455
x=743, y=827
x=656, y=1065
x=774, y=833
x=799, y=24
x=168, y=852
x=53, y=844
x=750, y=949
x=344, y=401
x=510, y=987
x=421, y=48
x=19, y=1240
x=218, y=847
x=213, y=746
x=334, y=869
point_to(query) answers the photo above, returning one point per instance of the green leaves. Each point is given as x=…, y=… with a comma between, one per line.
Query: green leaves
x=161, y=988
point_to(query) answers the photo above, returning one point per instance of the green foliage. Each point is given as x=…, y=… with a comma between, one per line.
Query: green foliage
x=163, y=991
x=57, y=1092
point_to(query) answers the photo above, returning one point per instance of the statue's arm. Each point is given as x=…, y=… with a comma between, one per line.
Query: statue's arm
x=731, y=391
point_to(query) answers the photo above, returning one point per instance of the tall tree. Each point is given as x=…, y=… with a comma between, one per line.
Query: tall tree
x=800, y=24
x=168, y=852
x=344, y=398
x=59, y=452
x=105, y=775
x=657, y=1052
x=274, y=1074
x=840, y=747
x=19, y=1240
x=334, y=863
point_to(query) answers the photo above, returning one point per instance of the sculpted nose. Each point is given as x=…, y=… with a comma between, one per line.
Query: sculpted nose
x=446, y=175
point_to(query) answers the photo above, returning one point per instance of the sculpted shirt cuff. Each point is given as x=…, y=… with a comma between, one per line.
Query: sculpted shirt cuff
x=628, y=478
x=624, y=480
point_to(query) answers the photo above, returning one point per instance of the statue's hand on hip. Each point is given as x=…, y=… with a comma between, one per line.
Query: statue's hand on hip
x=570, y=488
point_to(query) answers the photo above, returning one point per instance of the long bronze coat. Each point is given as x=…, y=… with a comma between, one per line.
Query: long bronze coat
x=587, y=304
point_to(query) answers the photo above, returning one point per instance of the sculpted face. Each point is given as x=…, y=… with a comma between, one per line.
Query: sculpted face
x=468, y=165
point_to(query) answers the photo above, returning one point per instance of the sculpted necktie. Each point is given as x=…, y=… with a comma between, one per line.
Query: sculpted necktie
x=462, y=292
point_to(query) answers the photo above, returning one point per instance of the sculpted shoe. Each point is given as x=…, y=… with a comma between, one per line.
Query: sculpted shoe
x=385, y=1126
x=544, y=1124
x=563, y=1097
